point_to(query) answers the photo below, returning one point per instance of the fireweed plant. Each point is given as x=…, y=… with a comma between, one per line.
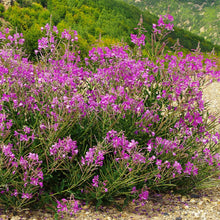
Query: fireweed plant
x=116, y=124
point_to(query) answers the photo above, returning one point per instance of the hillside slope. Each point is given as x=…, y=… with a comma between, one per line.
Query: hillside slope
x=111, y=21
x=201, y=17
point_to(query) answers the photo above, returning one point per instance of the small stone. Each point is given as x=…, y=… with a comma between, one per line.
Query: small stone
x=195, y=196
x=186, y=207
x=183, y=199
x=15, y=217
x=3, y=217
x=206, y=199
x=124, y=215
x=47, y=215
x=177, y=208
x=200, y=203
x=214, y=203
x=166, y=214
x=178, y=218
x=192, y=201
x=85, y=207
x=217, y=208
x=157, y=218
x=197, y=215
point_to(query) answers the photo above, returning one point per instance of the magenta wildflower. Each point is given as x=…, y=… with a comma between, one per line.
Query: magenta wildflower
x=15, y=193
x=27, y=129
x=134, y=190
x=63, y=148
x=99, y=158
x=33, y=156
x=138, y=158
x=132, y=145
x=144, y=195
x=34, y=181
x=43, y=43
x=169, y=17
x=95, y=181
x=26, y=196
x=178, y=167
x=89, y=157
x=68, y=206
x=23, y=163
x=160, y=21
x=6, y=149
x=138, y=41
x=189, y=167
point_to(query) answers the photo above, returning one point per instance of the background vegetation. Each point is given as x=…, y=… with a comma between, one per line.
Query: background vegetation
x=201, y=17
x=101, y=22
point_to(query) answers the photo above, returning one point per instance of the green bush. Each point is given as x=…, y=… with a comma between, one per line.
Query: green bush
x=115, y=124
x=2, y=9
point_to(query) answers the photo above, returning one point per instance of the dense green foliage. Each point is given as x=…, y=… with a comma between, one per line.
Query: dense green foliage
x=200, y=17
x=25, y=3
x=112, y=20
x=99, y=23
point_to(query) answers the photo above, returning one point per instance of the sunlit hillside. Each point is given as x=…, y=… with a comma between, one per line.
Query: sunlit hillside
x=201, y=17
x=104, y=21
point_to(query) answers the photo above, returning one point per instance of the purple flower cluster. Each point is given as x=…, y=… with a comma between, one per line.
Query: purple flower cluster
x=16, y=39
x=148, y=118
x=142, y=196
x=124, y=149
x=94, y=156
x=96, y=183
x=161, y=24
x=138, y=40
x=27, y=168
x=68, y=206
x=64, y=148
x=49, y=43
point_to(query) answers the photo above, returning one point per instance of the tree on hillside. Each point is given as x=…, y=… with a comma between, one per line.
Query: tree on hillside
x=25, y=3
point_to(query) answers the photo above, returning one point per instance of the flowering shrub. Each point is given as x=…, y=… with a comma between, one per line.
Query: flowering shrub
x=113, y=125
x=67, y=207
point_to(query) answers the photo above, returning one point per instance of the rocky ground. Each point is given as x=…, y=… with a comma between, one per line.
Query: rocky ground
x=202, y=205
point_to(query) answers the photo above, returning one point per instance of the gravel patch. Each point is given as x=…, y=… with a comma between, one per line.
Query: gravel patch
x=203, y=204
